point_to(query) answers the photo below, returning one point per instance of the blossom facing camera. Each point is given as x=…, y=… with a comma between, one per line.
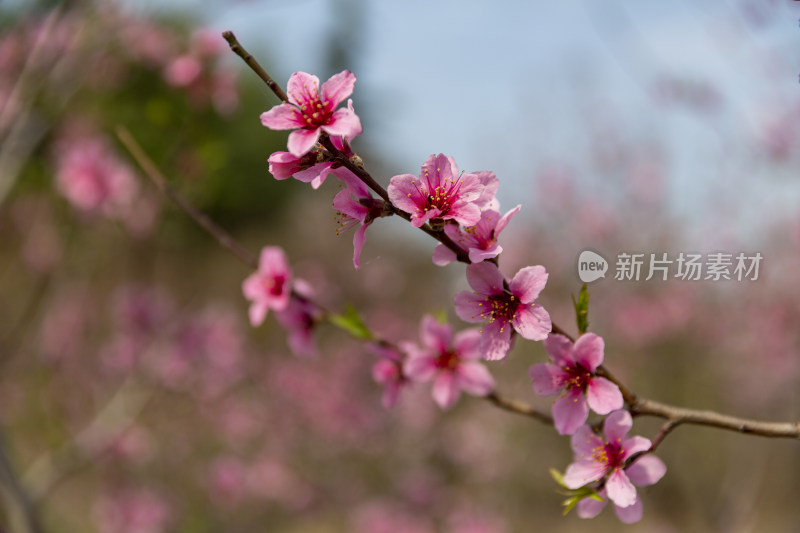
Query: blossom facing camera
x=451, y=361
x=270, y=286
x=311, y=110
x=440, y=192
x=572, y=373
x=504, y=308
x=598, y=457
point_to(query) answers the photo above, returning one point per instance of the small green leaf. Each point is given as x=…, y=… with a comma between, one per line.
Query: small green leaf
x=570, y=503
x=351, y=323
x=582, y=310
x=558, y=477
x=440, y=316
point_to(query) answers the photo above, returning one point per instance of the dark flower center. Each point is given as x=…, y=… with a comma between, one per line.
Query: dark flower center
x=610, y=454
x=447, y=360
x=315, y=112
x=577, y=377
x=502, y=307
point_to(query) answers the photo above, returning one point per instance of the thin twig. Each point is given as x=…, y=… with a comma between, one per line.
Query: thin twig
x=520, y=408
x=152, y=172
x=253, y=64
x=681, y=415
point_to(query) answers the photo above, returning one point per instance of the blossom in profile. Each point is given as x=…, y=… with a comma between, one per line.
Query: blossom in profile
x=479, y=240
x=270, y=286
x=388, y=371
x=355, y=206
x=451, y=361
x=299, y=318
x=311, y=110
x=309, y=168
x=572, y=373
x=598, y=457
x=504, y=306
x=440, y=192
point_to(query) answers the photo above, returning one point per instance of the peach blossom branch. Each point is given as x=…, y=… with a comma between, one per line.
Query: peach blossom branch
x=637, y=405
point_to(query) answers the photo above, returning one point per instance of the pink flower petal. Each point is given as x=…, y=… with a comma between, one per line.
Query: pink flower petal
x=469, y=190
x=495, y=340
x=588, y=351
x=435, y=335
x=485, y=278
x=617, y=425
x=343, y=122
x=315, y=174
x=570, y=412
x=420, y=368
x=418, y=219
x=300, y=85
x=647, y=470
x=283, y=165
x=442, y=255
x=634, y=445
x=475, y=378
x=528, y=283
x=282, y=117
x=603, y=396
x=620, y=489
x=559, y=348
x=630, y=514
x=470, y=306
x=302, y=344
x=476, y=255
x=584, y=442
x=403, y=193
x=302, y=141
x=251, y=286
x=533, y=323
x=503, y=222
x=272, y=261
x=257, y=312
x=547, y=379
x=580, y=473
x=359, y=237
x=445, y=390
x=589, y=507
x=490, y=185
x=466, y=214
x=338, y=87
x=467, y=343
x=384, y=371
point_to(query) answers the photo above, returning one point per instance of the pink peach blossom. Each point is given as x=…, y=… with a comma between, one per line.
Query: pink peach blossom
x=451, y=361
x=269, y=287
x=599, y=458
x=299, y=319
x=505, y=305
x=311, y=110
x=388, y=371
x=573, y=375
x=308, y=169
x=440, y=192
x=355, y=205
